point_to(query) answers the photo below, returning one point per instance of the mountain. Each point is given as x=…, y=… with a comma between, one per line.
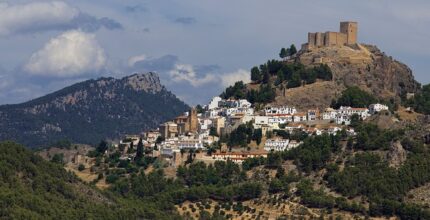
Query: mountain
x=92, y=110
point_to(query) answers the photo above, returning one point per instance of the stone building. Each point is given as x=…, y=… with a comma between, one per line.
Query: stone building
x=346, y=36
x=192, y=121
x=169, y=130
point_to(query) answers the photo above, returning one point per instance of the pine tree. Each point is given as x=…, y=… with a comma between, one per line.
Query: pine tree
x=139, y=151
x=292, y=50
x=255, y=74
x=283, y=53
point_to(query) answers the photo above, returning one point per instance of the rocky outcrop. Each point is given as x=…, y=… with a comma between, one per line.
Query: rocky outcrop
x=90, y=111
x=396, y=155
x=364, y=66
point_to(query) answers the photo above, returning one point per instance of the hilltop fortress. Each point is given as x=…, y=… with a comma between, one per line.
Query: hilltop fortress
x=346, y=36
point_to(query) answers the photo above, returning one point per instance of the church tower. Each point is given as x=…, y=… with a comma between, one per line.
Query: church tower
x=192, y=121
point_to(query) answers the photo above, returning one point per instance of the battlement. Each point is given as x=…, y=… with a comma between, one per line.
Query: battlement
x=346, y=36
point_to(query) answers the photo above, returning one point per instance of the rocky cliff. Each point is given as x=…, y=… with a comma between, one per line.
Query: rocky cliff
x=89, y=111
x=364, y=66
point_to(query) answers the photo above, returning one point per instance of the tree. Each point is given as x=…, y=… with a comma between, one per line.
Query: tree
x=283, y=53
x=130, y=149
x=102, y=147
x=81, y=167
x=354, y=97
x=255, y=74
x=139, y=151
x=213, y=132
x=292, y=50
x=200, y=109
x=257, y=135
x=58, y=158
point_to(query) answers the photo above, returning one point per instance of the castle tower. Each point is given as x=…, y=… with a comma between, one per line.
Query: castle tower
x=192, y=120
x=350, y=29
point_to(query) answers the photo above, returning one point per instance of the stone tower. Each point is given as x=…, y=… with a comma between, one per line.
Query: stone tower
x=350, y=29
x=192, y=120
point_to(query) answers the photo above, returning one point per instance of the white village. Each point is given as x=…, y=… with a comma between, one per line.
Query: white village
x=198, y=130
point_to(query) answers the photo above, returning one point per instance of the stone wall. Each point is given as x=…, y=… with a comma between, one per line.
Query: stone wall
x=346, y=36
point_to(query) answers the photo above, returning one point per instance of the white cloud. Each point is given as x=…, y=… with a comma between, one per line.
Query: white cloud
x=135, y=59
x=186, y=72
x=48, y=15
x=229, y=79
x=21, y=17
x=71, y=54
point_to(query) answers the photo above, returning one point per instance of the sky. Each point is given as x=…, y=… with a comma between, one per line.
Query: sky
x=197, y=47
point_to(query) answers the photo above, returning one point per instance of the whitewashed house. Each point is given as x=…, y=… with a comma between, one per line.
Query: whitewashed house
x=375, y=108
x=280, y=110
x=329, y=114
x=298, y=117
x=214, y=103
x=276, y=144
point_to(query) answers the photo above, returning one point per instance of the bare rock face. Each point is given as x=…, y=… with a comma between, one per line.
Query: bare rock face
x=397, y=155
x=148, y=82
x=364, y=66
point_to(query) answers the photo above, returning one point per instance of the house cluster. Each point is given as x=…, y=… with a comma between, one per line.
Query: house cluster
x=196, y=130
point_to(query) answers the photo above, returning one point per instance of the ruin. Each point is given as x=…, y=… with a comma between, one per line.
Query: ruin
x=346, y=36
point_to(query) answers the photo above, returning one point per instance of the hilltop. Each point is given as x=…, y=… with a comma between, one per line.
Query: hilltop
x=364, y=66
x=90, y=111
x=326, y=65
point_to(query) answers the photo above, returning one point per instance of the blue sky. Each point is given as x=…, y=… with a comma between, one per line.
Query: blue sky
x=197, y=47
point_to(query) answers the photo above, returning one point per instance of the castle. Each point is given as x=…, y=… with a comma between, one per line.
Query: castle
x=346, y=36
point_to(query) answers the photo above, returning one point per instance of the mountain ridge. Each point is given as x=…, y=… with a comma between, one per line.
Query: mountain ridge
x=104, y=107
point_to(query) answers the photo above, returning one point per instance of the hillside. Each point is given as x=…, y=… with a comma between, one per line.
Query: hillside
x=364, y=66
x=32, y=188
x=313, y=78
x=92, y=110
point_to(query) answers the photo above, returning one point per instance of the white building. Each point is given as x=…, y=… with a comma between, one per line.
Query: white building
x=343, y=119
x=276, y=144
x=260, y=121
x=375, y=108
x=280, y=119
x=233, y=103
x=298, y=117
x=190, y=144
x=214, y=103
x=280, y=110
x=363, y=113
x=329, y=114
x=238, y=111
x=293, y=144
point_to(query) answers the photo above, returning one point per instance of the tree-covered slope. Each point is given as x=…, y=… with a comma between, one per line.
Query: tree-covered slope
x=32, y=188
x=92, y=110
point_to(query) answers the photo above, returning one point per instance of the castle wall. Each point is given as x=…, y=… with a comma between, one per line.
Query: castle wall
x=350, y=29
x=311, y=40
x=347, y=35
x=319, y=39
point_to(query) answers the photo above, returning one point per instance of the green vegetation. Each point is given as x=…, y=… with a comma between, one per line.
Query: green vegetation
x=354, y=97
x=286, y=75
x=370, y=137
x=88, y=125
x=243, y=135
x=366, y=174
x=295, y=74
x=421, y=101
x=32, y=188
x=288, y=52
x=314, y=153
